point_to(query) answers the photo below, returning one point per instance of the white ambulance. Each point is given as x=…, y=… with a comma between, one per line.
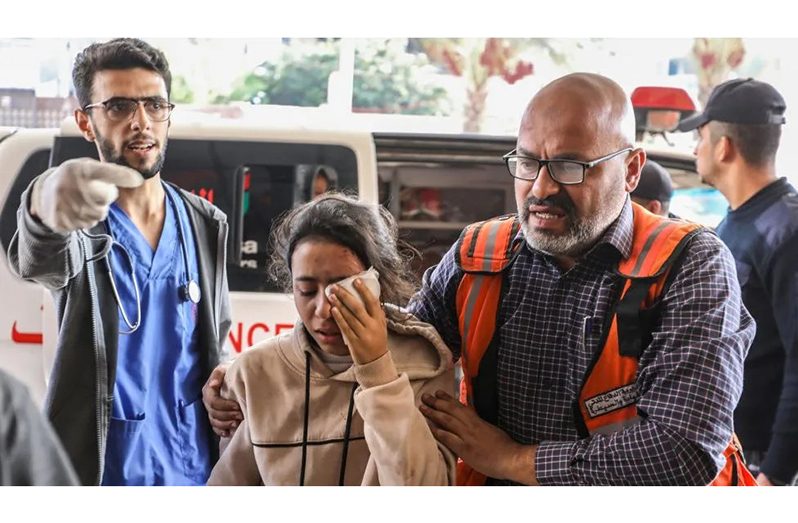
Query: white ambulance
x=433, y=184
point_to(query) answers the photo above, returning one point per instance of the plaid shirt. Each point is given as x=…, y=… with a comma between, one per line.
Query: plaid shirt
x=549, y=326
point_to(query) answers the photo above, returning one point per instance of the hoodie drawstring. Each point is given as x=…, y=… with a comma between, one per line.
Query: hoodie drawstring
x=347, y=431
x=307, y=417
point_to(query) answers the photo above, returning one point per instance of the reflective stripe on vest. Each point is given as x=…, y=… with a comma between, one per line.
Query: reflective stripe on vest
x=485, y=250
x=607, y=401
x=608, y=397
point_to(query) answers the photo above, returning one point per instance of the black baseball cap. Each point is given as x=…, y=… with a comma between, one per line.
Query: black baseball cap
x=654, y=184
x=743, y=101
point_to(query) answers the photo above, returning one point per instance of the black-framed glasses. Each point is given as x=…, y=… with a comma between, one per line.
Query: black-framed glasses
x=565, y=172
x=119, y=108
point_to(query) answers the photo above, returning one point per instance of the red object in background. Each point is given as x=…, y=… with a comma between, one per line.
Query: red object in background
x=708, y=60
x=669, y=98
x=495, y=56
x=35, y=338
x=522, y=69
x=735, y=58
x=204, y=193
x=453, y=61
x=240, y=334
x=431, y=202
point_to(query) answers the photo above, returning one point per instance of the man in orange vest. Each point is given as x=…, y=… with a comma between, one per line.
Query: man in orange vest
x=600, y=344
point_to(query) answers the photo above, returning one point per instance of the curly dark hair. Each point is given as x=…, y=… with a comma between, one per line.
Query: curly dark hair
x=368, y=230
x=119, y=53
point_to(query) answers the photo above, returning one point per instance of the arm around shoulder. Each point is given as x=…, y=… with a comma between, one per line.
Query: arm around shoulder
x=435, y=302
x=237, y=464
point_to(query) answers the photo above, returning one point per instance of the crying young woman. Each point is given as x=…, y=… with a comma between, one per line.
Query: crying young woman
x=335, y=401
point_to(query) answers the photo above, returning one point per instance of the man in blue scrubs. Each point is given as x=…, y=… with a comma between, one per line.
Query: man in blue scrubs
x=137, y=269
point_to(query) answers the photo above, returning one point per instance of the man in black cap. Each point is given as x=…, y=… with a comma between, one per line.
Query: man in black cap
x=739, y=134
x=654, y=190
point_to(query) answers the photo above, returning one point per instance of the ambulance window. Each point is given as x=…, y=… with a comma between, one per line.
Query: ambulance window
x=432, y=204
x=193, y=165
x=273, y=178
x=36, y=164
x=268, y=192
x=199, y=168
x=251, y=182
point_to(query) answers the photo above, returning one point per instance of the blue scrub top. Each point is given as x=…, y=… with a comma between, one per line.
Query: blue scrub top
x=159, y=432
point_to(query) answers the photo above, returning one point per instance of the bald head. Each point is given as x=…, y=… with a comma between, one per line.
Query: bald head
x=593, y=102
x=582, y=119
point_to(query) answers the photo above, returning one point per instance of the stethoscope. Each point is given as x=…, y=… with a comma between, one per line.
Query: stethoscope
x=189, y=291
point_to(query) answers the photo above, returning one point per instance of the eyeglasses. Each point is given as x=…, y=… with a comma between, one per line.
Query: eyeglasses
x=565, y=172
x=120, y=109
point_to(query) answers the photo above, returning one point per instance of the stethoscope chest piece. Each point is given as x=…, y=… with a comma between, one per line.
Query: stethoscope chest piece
x=190, y=292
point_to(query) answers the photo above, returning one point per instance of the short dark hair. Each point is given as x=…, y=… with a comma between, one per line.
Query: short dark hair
x=368, y=230
x=665, y=206
x=757, y=143
x=119, y=53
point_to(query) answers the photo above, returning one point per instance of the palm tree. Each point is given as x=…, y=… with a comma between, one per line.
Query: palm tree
x=715, y=58
x=477, y=60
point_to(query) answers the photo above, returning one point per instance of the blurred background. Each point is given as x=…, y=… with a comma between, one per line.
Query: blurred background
x=430, y=85
x=475, y=85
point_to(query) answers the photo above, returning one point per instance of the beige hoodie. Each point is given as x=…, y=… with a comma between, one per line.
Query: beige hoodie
x=388, y=441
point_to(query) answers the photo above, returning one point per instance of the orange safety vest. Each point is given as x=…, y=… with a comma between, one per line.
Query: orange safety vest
x=608, y=399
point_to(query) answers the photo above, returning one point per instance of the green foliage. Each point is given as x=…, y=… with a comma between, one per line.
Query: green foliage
x=299, y=78
x=181, y=91
x=387, y=80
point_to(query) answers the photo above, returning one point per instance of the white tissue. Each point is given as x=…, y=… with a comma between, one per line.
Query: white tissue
x=370, y=279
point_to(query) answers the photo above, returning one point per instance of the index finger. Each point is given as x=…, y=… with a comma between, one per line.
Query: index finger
x=118, y=175
x=442, y=419
x=442, y=402
x=221, y=405
x=350, y=301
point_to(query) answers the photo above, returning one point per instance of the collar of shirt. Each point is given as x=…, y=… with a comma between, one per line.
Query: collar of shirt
x=762, y=199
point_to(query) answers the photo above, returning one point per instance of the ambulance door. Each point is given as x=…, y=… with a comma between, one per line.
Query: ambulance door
x=24, y=154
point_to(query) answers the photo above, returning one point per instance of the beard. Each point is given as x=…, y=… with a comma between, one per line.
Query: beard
x=581, y=233
x=111, y=155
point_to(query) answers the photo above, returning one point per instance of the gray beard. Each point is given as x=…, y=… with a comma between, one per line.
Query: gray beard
x=579, y=237
x=573, y=243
